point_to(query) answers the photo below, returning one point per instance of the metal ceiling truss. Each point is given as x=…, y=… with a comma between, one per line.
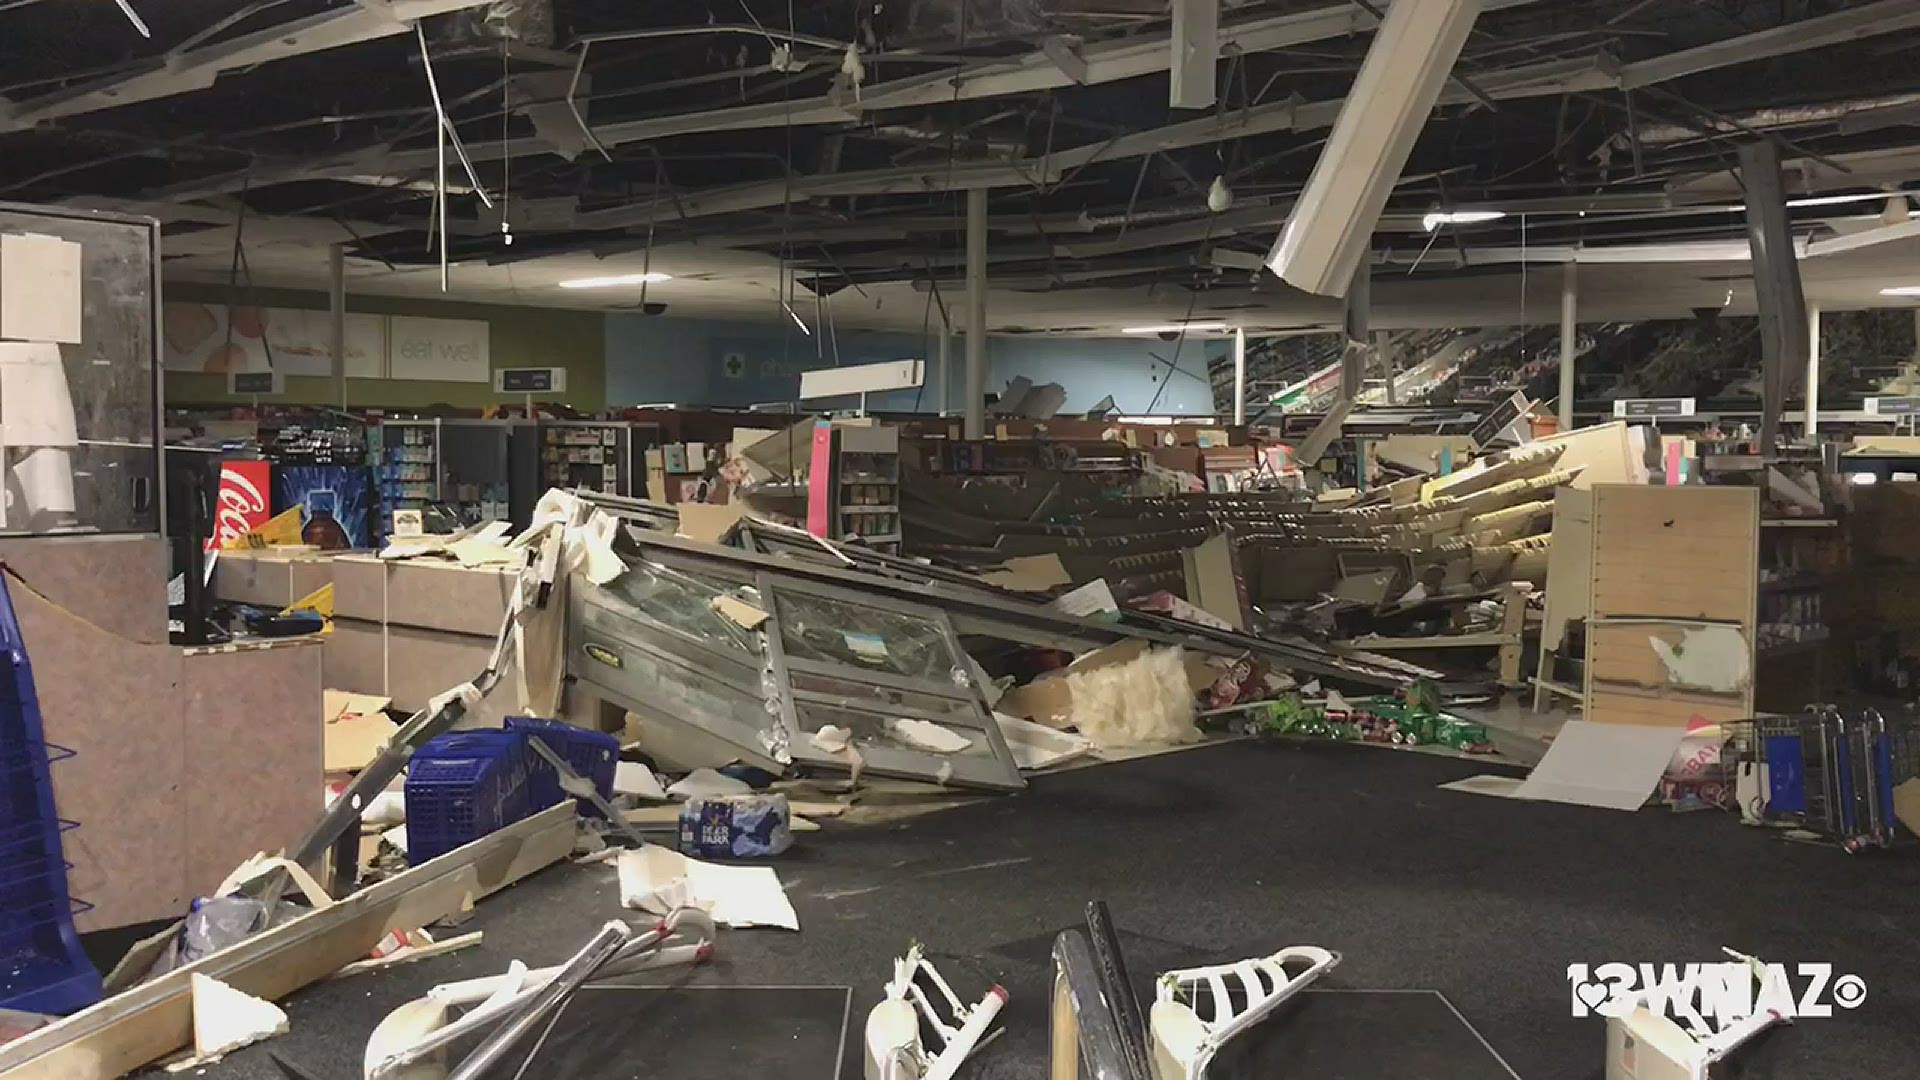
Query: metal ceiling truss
x=197, y=67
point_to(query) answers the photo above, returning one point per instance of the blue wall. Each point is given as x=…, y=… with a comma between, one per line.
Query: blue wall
x=699, y=362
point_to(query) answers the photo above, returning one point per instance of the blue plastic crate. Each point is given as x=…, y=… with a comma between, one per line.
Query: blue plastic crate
x=592, y=754
x=462, y=786
x=42, y=968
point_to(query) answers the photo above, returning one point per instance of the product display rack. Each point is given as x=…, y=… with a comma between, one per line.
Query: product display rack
x=408, y=469
x=865, y=484
x=585, y=454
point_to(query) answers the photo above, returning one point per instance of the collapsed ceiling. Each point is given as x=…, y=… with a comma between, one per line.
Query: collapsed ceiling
x=832, y=139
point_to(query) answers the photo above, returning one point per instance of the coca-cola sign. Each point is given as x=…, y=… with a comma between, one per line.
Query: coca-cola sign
x=241, y=505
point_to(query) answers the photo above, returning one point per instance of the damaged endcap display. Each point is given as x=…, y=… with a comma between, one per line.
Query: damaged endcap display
x=895, y=1049
x=1095, y=1023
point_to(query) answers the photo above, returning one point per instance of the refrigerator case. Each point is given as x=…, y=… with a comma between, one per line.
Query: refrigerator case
x=80, y=422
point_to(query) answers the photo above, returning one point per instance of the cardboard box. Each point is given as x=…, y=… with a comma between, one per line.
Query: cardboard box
x=270, y=579
x=423, y=593
x=413, y=666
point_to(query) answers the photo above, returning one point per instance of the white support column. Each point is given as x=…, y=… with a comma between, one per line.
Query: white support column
x=1813, y=370
x=1239, y=376
x=337, y=304
x=1569, y=339
x=945, y=337
x=976, y=405
x=1196, y=48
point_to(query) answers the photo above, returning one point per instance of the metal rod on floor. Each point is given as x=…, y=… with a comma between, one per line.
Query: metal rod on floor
x=578, y=970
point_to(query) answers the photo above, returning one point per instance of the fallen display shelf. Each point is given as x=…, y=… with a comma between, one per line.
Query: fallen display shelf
x=155, y=1018
x=977, y=608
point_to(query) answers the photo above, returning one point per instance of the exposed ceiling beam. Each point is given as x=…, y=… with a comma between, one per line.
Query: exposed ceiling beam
x=1527, y=81
x=1871, y=20
x=1868, y=168
x=1099, y=62
x=197, y=68
x=1322, y=248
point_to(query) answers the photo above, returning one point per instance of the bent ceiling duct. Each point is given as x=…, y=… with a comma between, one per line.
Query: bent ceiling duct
x=524, y=22
x=952, y=20
x=1405, y=69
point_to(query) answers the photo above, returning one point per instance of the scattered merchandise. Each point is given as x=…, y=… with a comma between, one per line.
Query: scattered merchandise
x=735, y=826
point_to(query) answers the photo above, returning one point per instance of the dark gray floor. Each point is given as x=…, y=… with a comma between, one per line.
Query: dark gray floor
x=1235, y=850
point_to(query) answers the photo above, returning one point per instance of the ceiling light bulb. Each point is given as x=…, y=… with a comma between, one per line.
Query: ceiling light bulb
x=1460, y=217
x=651, y=277
x=1901, y=290
x=1219, y=195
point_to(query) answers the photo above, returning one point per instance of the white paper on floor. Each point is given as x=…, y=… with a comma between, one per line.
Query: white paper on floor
x=1616, y=766
x=1037, y=746
x=656, y=879
x=1505, y=787
x=633, y=778
x=706, y=782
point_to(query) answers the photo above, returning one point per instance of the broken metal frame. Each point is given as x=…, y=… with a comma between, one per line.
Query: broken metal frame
x=966, y=704
x=980, y=609
x=761, y=704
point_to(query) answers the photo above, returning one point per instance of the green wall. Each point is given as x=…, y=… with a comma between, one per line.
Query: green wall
x=520, y=337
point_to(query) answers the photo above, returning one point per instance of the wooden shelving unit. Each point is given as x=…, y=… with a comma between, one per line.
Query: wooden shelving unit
x=1639, y=564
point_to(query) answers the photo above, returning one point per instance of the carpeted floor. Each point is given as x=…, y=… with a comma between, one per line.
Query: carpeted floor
x=1230, y=851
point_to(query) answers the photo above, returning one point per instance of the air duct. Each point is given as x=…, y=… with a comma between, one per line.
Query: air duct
x=523, y=22
x=1405, y=69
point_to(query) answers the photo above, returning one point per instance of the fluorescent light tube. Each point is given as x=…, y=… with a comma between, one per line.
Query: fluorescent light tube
x=617, y=280
x=1177, y=328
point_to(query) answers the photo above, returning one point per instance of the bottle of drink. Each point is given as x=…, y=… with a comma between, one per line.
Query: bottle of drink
x=322, y=529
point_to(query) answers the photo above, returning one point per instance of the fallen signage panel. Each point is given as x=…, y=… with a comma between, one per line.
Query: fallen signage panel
x=862, y=379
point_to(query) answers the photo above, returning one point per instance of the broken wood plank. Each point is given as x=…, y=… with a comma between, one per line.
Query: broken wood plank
x=154, y=1019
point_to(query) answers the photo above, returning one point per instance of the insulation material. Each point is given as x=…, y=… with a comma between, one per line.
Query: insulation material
x=1145, y=700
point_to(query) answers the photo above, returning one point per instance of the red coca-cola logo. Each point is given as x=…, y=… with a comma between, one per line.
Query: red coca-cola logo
x=239, y=507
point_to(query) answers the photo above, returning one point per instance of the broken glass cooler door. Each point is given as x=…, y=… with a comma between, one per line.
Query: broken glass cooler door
x=79, y=371
x=892, y=675
x=651, y=641
x=889, y=674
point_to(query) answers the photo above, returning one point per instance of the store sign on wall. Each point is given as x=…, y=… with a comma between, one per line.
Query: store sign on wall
x=223, y=339
x=438, y=350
